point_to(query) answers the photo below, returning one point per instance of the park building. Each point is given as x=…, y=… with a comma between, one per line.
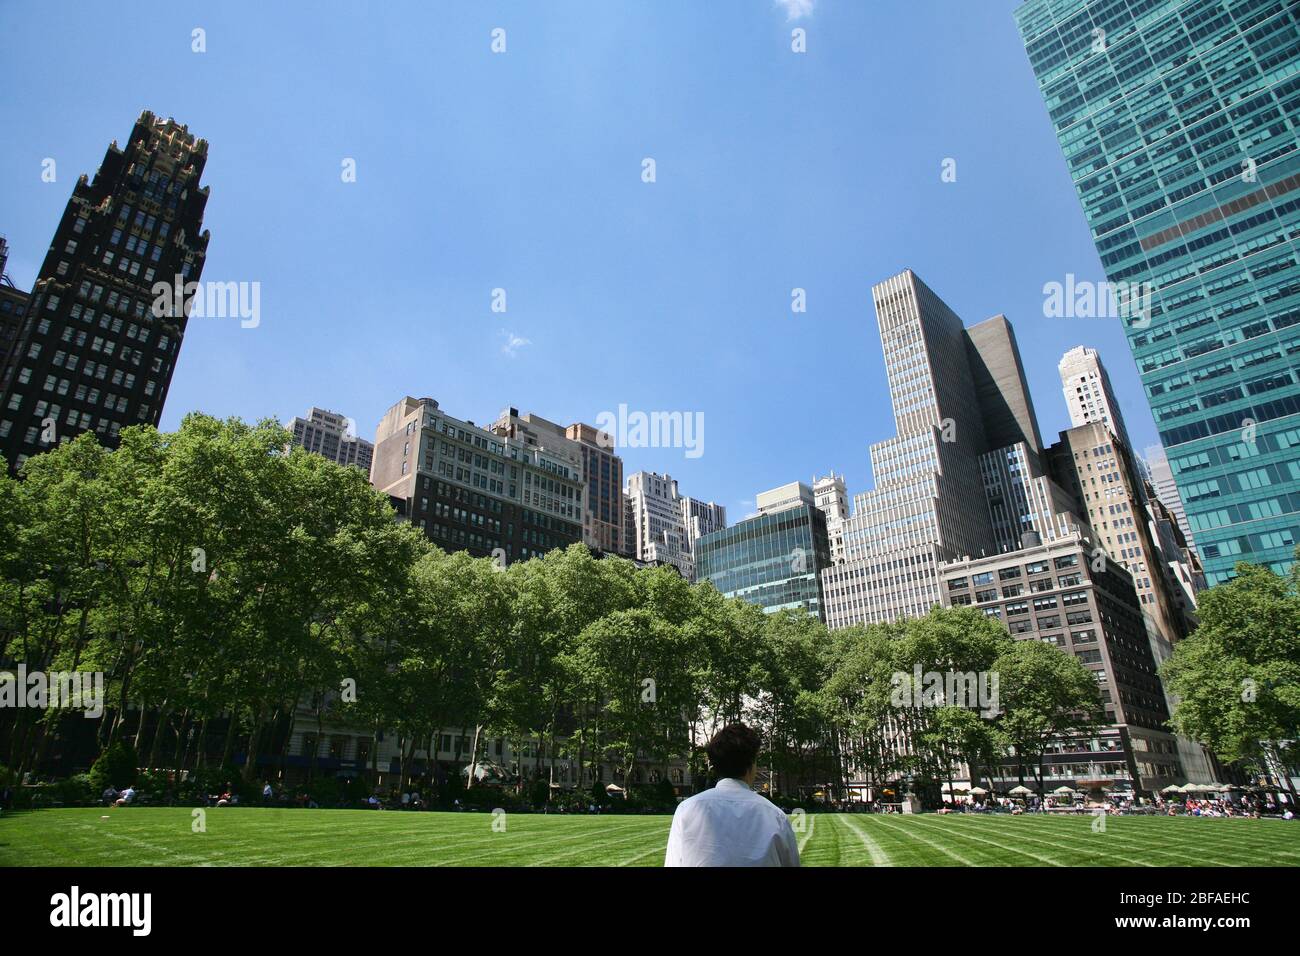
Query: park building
x=1101, y=474
x=469, y=488
x=91, y=354
x=513, y=490
x=968, y=491
x=330, y=434
x=663, y=526
x=1181, y=562
x=963, y=474
x=1166, y=489
x=600, y=470
x=832, y=498
x=13, y=307
x=774, y=558
x=1074, y=596
x=602, y=474
x=1089, y=396
x=328, y=748
x=1175, y=120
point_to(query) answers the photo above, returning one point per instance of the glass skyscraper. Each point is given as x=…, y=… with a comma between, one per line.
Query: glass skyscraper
x=772, y=560
x=1179, y=122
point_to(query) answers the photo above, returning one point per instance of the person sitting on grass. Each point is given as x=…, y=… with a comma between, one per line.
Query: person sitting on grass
x=125, y=797
x=731, y=825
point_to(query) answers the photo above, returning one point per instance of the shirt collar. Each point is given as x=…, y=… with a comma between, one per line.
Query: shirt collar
x=732, y=783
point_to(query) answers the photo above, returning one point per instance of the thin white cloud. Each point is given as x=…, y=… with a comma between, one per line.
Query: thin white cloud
x=513, y=343
x=796, y=9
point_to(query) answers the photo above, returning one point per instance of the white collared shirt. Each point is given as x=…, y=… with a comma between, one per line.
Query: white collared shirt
x=730, y=825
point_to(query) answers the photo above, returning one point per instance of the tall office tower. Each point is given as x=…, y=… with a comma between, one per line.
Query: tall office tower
x=1176, y=119
x=1166, y=488
x=326, y=433
x=833, y=499
x=656, y=522
x=1020, y=494
x=1001, y=389
x=470, y=489
x=1022, y=497
x=701, y=518
x=773, y=559
x=1088, y=394
x=1181, y=562
x=92, y=354
x=958, y=394
x=13, y=308
x=1095, y=466
x=602, y=473
x=1062, y=593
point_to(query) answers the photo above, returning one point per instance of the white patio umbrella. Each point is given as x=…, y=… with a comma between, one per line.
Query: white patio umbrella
x=1021, y=790
x=978, y=791
x=1064, y=790
x=1172, y=788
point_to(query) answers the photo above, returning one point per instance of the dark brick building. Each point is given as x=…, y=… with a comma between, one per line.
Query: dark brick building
x=91, y=353
x=1070, y=594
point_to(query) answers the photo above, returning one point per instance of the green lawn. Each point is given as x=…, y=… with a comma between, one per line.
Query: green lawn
x=252, y=836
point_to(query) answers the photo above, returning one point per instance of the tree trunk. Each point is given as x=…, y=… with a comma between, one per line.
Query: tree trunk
x=473, y=756
x=255, y=732
x=232, y=728
x=201, y=744
x=164, y=714
x=182, y=736
x=288, y=739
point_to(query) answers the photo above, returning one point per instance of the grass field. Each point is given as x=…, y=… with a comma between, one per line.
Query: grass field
x=256, y=837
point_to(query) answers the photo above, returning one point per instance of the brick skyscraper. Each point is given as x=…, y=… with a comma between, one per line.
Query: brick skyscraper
x=91, y=353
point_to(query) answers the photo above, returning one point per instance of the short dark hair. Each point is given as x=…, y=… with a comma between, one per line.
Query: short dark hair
x=733, y=750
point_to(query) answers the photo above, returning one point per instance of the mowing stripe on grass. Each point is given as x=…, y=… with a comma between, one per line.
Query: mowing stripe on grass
x=272, y=836
x=661, y=850
x=1201, y=837
x=1147, y=847
x=638, y=837
x=1001, y=846
x=1149, y=844
x=143, y=844
x=1092, y=844
x=878, y=856
x=515, y=848
x=930, y=843
x=812, y=825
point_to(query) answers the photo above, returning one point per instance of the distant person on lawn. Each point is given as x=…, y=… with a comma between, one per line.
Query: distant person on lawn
x=731, y=825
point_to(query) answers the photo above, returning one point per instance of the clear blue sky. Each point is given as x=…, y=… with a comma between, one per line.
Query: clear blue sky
x=522, y=171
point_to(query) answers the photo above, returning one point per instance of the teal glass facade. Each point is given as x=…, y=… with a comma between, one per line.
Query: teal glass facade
x=772, y=560
x=1179, y=121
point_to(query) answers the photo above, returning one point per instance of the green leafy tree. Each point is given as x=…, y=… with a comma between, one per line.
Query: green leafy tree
x=1236, y=679
x=1045, y=695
